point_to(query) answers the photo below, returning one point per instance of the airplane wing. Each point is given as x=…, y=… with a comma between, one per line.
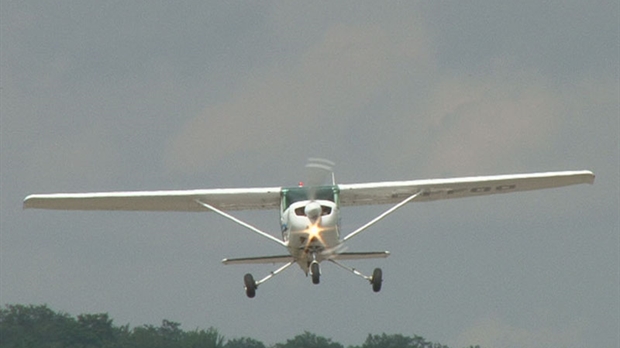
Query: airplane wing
x=391, y=192
x=184, y=200
x=269, y=198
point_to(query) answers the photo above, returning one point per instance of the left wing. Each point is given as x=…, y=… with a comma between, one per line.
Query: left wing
x=391, y=192
x=183, y=200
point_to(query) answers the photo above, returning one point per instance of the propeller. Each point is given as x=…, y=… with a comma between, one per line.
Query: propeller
x=318, y=172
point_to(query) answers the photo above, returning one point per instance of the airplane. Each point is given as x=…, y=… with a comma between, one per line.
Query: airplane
x=309, y=214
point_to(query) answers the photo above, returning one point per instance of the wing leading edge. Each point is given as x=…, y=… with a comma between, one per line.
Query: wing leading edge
x=391, y=192
x=183, y=200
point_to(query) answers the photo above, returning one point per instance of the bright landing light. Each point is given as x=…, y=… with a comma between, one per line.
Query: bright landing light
x=314, y=232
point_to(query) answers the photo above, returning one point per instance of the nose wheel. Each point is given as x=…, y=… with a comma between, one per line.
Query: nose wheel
x=316, y=273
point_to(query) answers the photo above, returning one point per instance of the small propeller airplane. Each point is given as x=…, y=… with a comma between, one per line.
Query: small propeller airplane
x=309, y=214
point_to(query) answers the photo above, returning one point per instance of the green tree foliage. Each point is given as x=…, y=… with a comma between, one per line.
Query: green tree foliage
x=244, y=343
x=309, y=340
x=398, y=341
x=96, y=330
x=201, y=338
x=38, y=326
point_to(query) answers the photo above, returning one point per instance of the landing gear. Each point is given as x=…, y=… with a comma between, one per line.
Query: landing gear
x=250, y=285
x=376, y=279
x=316, y=272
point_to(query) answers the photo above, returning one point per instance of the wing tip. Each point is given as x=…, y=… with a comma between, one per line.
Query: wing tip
x=588, y=176
x=591, y=178
x=28, y=202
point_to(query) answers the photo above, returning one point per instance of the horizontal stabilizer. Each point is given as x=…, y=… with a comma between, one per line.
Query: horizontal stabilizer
x=361, y=255
x=260, y=259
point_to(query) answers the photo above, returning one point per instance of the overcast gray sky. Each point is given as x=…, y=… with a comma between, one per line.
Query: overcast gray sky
x=144, y=95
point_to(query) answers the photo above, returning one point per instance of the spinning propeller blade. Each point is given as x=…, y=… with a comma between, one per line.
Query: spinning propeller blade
x=318, y=172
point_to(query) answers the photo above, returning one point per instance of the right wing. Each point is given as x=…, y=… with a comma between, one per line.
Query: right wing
x=392, y=192
x=182, y=200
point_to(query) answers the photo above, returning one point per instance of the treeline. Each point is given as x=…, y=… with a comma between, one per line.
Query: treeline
x=39, y=326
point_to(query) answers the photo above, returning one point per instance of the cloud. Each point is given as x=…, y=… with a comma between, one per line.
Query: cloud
x=479, y=122
x=295, y=104
x=66, y=159
x=346, y=89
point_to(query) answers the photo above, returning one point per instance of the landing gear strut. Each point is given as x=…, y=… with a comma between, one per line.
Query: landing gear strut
x=375, y=280
x=251, y=285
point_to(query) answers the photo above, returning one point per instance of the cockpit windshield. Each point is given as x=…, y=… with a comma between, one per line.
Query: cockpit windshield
x=296, y=194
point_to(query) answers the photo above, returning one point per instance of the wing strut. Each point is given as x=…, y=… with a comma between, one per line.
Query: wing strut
x=240, y=222
x=386, y=213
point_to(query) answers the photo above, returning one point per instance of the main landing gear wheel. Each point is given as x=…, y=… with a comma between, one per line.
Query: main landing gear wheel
x=250, y=285
x=376, y=280
x=316, y=273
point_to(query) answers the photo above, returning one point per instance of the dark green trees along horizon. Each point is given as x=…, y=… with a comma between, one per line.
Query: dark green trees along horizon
x=24, y=326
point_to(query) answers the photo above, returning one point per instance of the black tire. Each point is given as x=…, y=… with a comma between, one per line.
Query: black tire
x=250, y=285
x=316, y=273
x=377, y=279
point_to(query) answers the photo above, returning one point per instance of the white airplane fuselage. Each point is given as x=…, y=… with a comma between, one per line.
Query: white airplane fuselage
x=311, y=237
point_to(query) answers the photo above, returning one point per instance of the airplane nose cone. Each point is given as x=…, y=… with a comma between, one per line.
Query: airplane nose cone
x=313, y=211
